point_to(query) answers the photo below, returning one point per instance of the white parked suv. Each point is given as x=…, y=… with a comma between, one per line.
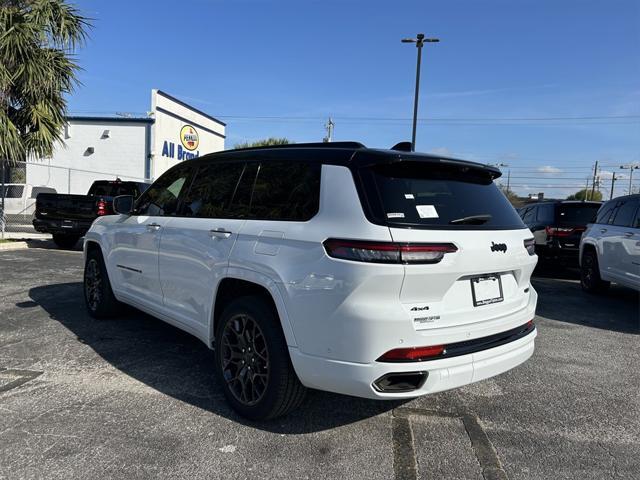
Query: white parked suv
x=376, y=273
x=610, y=247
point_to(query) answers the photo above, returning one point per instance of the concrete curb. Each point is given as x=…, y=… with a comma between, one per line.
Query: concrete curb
x=13, y=246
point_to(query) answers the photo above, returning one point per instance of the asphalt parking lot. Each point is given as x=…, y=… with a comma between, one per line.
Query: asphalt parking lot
x=136, y=398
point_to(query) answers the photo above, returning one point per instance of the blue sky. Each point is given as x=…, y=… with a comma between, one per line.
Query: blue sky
x=305, y=60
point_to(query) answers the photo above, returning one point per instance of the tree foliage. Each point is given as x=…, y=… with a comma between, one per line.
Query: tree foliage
x=585, y=194
x=263, y=143
x=37, y=70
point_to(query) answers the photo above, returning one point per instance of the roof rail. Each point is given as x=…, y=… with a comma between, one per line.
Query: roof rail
x=344, y=145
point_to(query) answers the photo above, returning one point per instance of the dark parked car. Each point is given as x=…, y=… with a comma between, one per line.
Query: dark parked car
x=68, y=217
x=557, y=227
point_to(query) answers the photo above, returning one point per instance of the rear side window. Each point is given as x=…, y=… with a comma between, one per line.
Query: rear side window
x=530, y=215
x=286, y=191
x=35, y=191
x=13, y=191
x=575, y=214
x=625, y=213
x=428, y=195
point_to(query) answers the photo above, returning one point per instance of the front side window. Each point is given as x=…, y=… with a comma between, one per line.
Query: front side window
x=161, y=199
x=212, y=190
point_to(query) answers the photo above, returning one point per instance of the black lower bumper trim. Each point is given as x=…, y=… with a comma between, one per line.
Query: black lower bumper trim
x=479, y=344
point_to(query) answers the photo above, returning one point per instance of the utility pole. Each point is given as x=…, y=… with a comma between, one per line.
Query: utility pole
x=631, y=167
x=419, y=41
x=593, y=185
x=329, y=127
x=613, y=182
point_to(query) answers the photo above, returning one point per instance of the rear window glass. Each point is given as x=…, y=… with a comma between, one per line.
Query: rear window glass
x=13, y=191
x=432, y=195
x=112, y=189
x=576, y=214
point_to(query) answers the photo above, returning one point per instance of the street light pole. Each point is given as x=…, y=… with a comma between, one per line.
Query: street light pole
x=419, y=41
x=631, y=168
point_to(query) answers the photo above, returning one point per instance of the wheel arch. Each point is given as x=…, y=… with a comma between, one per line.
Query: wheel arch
x=240, y=282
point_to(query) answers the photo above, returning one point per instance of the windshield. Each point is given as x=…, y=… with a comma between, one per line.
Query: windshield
x=429, y=195
x=577, y=214
x=12, y=191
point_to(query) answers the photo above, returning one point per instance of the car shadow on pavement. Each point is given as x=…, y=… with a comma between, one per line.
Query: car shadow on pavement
x=563, y=300
x=177, y=364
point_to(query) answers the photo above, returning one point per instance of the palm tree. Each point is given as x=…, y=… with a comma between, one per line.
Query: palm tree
x=37, y=70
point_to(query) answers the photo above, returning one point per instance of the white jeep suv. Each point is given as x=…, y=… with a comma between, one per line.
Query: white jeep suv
x=376, y=273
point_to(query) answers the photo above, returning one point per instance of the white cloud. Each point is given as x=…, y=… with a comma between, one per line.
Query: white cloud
x=549, y=169
x=606, y=175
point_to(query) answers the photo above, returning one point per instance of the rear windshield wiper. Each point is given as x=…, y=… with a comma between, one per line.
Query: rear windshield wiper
x=472, y=220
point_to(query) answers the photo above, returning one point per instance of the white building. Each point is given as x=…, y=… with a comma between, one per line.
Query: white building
x=140, y=149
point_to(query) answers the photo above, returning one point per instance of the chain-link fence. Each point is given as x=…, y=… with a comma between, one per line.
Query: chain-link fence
x=22, y=182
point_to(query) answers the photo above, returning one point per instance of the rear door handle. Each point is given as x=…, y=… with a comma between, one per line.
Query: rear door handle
x=629, y=234
x=154, y=227
x=603, y=230
x=220, y=233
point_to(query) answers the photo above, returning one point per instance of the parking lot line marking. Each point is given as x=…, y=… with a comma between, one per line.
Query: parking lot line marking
x=23, y=377
x=404, y=456
x=404, y=450
x=484, y=449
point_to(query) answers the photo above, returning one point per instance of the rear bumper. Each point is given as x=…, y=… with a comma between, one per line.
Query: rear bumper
x=357, y=379
x=53, y=226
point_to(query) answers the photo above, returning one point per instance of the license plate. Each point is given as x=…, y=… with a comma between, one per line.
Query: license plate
x=486, y=290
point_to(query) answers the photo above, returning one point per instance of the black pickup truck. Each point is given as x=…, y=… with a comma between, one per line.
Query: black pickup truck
x=68, y=217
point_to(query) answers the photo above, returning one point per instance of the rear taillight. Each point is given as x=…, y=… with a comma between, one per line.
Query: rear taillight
x=387, y=252
x=558, y=231
x=530, y=245
x=414, y=354
x=102, y=207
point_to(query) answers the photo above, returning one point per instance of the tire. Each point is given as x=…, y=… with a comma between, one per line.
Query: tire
x=249, y=334
x=98, y=296
x=590, y=279
x=65, y=241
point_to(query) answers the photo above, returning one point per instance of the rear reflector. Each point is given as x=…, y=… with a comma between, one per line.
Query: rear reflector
x=414, y=354
x=387, y=252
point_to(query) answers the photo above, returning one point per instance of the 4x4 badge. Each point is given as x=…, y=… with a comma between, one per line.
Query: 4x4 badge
x=499, y=247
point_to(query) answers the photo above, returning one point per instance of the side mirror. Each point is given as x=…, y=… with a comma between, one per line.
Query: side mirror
x=123, y=204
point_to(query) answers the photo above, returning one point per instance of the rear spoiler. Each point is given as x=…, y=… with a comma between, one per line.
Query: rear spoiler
x=369, y=157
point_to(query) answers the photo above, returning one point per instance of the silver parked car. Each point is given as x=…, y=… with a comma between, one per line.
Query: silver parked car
x=610, y=247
